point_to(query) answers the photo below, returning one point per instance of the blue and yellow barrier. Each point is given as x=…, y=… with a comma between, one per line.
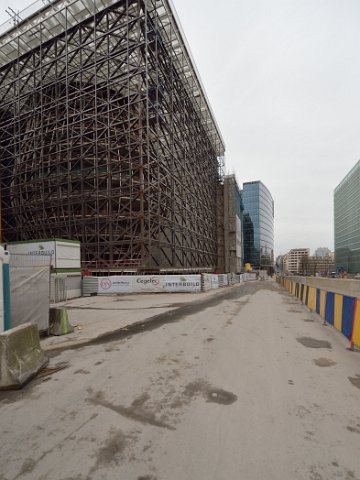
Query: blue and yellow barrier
x=355, y=334
x=341, y=311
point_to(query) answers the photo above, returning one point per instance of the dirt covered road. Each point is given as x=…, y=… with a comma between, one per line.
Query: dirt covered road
x=248, y=387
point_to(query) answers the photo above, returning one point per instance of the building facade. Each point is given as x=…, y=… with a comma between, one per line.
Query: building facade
x=321, y=266
x=296, y=259
x=322, y=252
x=107, y=136
x=258, y=225
x=230, y=232
x=347, y=222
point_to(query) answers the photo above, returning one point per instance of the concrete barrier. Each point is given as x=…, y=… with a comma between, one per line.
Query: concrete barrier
x=335, y=300
x=59, y=321
x=21, y=356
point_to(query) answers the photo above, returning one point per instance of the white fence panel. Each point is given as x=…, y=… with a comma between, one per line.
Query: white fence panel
x=205, y=282
x=214, y=281
x=30, y=290
x=149, y=283
x=29, y=293
x=115, y=284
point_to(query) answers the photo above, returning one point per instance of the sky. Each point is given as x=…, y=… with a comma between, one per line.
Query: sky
x=283, y=80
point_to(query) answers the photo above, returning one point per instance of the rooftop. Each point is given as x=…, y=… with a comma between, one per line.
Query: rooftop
x=44, y=20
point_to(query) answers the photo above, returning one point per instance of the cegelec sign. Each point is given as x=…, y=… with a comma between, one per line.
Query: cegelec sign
x=147, y=281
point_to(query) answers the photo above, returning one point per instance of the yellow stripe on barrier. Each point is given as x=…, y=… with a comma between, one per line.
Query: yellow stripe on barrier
x=356, y=327
x=338, y=311
x=312, y=299
x=293, y=288
x=322, y=303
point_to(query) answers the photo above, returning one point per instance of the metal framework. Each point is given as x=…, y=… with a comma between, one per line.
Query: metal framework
x=107, y=137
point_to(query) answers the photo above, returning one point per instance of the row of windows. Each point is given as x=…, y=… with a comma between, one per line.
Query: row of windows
x=347, y=222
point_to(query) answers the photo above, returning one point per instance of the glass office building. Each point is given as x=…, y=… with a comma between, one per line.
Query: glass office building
x=347, y=222
x=258, y=225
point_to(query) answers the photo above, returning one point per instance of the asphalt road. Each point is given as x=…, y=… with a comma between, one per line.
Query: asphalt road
x=234, y=391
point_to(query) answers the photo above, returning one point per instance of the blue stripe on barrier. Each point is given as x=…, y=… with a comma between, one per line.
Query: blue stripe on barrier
x=307, y=296
x=329, y=308
x=301, y=291
x=347, y=315
x=318, y=301
x=296, y=289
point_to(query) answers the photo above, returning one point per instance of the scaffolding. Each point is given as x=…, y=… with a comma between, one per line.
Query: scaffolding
x=107, y=137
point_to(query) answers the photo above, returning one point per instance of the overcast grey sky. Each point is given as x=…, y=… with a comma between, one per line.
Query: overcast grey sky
x=283, y=79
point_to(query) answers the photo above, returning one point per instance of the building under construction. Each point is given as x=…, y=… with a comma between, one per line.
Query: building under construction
x=106, y=135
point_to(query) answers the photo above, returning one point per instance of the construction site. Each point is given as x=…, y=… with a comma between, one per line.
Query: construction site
x=107, y=136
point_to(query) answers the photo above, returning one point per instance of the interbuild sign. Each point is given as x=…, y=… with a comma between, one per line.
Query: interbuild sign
x=149, y=283
x=182, y=283
x=64, y=253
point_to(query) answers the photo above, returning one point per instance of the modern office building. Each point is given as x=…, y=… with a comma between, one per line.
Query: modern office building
x=322, y=252
x=107, y=135
x=347, y=222
x=258, y=225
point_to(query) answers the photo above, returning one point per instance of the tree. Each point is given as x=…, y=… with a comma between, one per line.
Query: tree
x=304, y=264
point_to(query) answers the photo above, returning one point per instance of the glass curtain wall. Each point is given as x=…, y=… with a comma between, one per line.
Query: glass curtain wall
x=258, y=225
x=347, y=222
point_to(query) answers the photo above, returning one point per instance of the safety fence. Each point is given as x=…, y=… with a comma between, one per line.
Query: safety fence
x=339, y=310
x=29, y=280
x=117, y=284
x=210, y=281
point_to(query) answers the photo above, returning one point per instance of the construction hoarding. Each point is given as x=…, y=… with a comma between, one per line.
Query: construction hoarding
x=149, y=283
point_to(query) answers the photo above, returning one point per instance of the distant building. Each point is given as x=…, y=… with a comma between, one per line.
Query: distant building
x=321, y=266
x=294, y=262
x=299, y=261
x=322, y=252
x=258, y=225
x=279, y=263
x=230, y=237
x=347, y=222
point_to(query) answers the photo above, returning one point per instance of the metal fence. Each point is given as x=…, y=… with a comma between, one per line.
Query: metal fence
x=29, y=289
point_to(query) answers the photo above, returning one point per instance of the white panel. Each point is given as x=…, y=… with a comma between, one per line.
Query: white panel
x=29, y=290
x=149, y=283
x=67, y=255
x=214, y=281
x=115, y=284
